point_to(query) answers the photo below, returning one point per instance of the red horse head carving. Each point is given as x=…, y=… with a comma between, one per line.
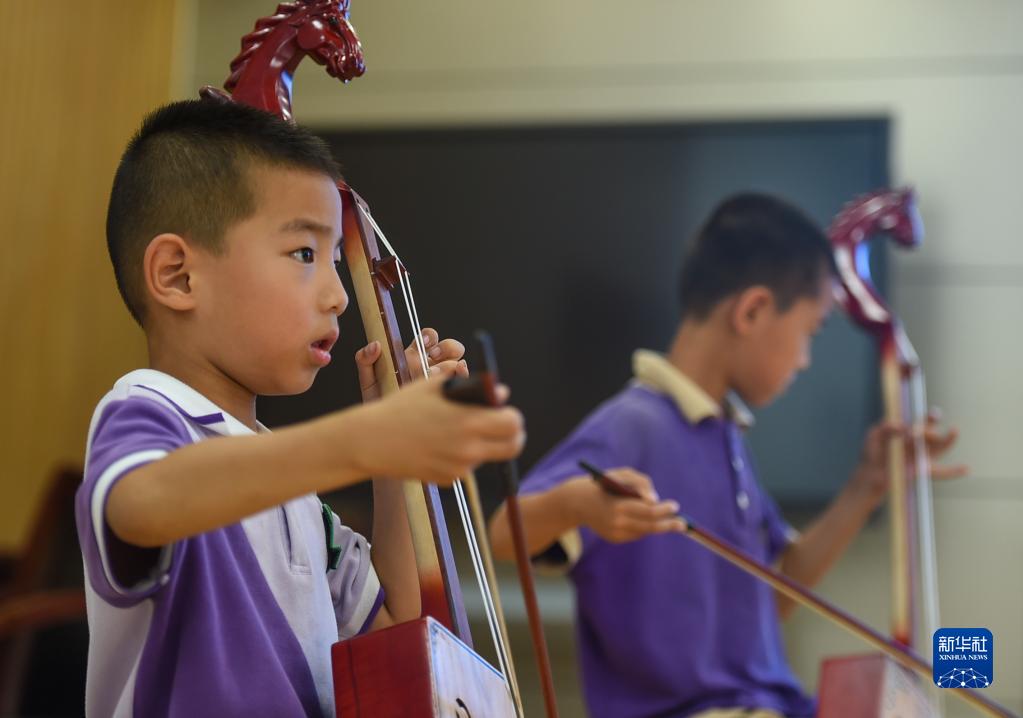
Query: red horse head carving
x=890, y=211
x=261, y=74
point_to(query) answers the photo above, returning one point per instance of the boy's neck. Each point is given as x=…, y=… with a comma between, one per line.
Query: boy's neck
x=699, y=351
x=206, y=379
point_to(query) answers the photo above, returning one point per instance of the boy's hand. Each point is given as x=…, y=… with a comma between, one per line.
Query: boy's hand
x=443, y=358
x=872, y=475
x=619, y=519
x=419, y=434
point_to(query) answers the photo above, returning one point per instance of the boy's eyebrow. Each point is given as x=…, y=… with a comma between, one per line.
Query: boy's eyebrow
x=303, y=224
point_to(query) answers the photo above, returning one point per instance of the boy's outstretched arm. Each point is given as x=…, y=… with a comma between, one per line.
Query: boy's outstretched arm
x=811, y=556
x=580, y=501
x=416, y=433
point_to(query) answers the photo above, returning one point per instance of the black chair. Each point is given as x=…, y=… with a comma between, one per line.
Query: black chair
x=43, y=632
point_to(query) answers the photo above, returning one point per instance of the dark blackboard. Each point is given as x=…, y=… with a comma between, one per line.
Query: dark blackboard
x=564, y=242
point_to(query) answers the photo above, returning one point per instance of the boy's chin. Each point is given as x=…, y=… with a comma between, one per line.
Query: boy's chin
x=290, y=386
x=758, y=399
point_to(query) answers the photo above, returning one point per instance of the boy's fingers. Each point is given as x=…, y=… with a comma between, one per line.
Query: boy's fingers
x=938, y=442
x=502, y=392
x=368, y=354
x=667, y=508
x=503, y=449
x=495, y=424
x=628, y=529
x=669, y=525
x=364, y=360
x=443, y=371
x=429, y=338
x=889, y=430
x=632, y=529
x=643, y=511
x=483, y=451
x=940, y=472
x=636, y=480
x=448, y=368
x=637, y=531
x=438, y=350
x=446, y=349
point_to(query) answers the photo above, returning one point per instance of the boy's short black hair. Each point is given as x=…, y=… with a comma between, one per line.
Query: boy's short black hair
x=186, y=172
x=754, y=239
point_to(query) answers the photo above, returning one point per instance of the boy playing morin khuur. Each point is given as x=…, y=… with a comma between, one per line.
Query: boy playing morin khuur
x=665, y=628
x=210, y=584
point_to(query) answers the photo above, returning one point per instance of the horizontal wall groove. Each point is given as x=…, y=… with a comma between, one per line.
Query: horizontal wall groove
x=669, y=74
x=980, y=489
x=960, y=275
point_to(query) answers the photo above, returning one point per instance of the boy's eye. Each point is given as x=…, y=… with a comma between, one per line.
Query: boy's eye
x=304, y=255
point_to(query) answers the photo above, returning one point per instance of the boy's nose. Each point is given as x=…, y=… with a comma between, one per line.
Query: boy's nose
x=335, y=297
x=804, y=359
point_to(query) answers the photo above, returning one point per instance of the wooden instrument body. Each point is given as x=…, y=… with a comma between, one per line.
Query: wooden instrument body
x=870, y=685
x=416, y=669
x=874, y=685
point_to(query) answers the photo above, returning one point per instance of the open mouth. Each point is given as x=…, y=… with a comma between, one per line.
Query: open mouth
x=327, y=342
x=321, y=348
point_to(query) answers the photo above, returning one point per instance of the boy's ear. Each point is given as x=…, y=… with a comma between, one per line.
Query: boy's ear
x=166, y=267
x=751, y=305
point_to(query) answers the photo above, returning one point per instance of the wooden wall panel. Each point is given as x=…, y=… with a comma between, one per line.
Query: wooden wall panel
x=77, y=79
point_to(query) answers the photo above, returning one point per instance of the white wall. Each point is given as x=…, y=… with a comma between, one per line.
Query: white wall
x=949, y=74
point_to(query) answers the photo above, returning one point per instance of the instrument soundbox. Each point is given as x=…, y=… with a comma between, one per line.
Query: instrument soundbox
x=412, y=670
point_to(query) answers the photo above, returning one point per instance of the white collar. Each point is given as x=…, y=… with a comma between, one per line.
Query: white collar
x=654, y=370
x=188, y=402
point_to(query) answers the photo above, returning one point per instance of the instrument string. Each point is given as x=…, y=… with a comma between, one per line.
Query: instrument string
x=924, y=491
x=482, y=581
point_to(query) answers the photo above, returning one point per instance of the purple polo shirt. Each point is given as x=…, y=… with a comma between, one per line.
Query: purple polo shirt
x=236, y=621
x=666, y=628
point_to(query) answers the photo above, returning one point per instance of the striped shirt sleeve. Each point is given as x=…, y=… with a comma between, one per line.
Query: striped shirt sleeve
x=354, y=586
x=127, y=434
